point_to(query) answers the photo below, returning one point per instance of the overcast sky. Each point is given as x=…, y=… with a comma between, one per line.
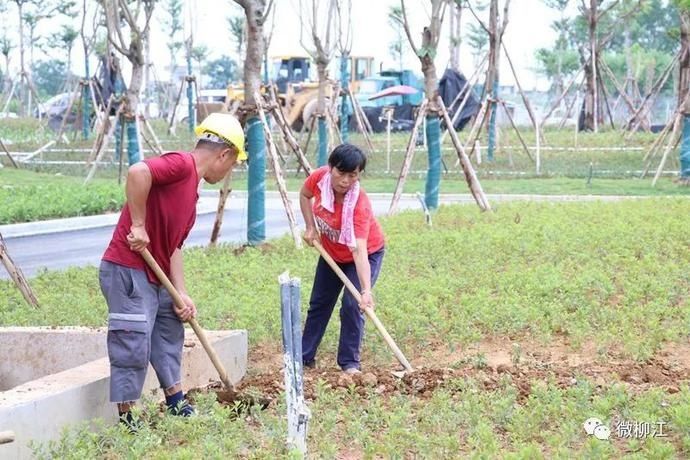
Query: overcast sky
x=528, y=30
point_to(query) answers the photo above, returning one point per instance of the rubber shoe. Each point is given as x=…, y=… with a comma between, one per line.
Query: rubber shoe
x=352, y=370
x=183, y=409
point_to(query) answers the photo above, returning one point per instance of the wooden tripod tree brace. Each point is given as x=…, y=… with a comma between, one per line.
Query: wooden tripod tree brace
x=280, y=182
x=222, y=199
x=409, y=154
x=470, y=174
x=17, y=275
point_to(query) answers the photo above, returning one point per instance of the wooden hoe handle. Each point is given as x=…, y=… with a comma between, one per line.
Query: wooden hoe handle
x=368, y=311
x=192, y=322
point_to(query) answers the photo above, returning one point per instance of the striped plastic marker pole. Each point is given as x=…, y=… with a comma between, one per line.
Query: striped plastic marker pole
x=298, y=414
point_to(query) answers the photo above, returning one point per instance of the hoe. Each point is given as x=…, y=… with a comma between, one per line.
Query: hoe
x=230, y=394
x=368, y=311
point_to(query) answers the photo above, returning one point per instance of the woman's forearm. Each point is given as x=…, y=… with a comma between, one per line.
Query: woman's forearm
x=362, y=266
x=305, y=207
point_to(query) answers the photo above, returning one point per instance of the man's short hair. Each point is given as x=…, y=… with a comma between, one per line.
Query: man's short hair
x=210, y=145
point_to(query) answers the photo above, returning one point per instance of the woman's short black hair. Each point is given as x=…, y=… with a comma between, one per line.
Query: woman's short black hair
x=347, y=158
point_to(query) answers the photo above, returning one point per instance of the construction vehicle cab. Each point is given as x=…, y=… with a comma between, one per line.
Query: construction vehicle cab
x=290, y=70
x=298, y=88
x=297, y=69
x=358, y=68
x=387, y=79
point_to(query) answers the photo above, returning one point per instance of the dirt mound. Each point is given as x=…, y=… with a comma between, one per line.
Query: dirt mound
x=424, y=381
x=499, y=366
x=378, y=381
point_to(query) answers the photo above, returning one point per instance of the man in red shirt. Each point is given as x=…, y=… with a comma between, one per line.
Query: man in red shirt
x=144, y=324
x=352, y=236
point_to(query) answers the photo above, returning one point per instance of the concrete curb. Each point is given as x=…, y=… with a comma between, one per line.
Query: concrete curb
x=68, y=224
x=58, y=396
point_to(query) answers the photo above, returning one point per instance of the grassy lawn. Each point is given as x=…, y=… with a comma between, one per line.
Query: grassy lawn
x=605, y=154
x=606, y=163
x=608, y=281
x=27, y=196
x=456, y=184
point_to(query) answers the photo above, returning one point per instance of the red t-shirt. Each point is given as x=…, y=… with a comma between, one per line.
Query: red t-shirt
x=329, y=224
x=170, y=213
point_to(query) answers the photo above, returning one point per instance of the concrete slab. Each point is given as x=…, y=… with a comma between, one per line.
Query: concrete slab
x=35, y=352
x=39, y=409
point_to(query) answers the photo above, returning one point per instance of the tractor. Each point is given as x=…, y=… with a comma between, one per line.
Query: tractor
x=298, y=91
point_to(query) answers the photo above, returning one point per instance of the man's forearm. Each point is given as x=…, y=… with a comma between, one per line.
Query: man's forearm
x=139, y=182
x=177, y=271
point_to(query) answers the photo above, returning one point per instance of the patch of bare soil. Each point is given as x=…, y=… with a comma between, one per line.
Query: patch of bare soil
x=522, y=362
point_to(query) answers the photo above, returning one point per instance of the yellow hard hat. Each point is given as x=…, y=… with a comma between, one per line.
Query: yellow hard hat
x=223, y=127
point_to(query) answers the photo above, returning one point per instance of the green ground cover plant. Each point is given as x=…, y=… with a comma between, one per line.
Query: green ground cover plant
x=532, y=186
x=608, y=154
x=465, y=422
x=48, y=191
x=27, y=196
x=610, y=278
x=604, y=163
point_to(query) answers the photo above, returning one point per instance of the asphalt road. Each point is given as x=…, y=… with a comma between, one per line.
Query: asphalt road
x=81, y=247
x=78, y=248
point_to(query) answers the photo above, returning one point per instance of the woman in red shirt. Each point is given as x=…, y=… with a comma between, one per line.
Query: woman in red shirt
x=351, y=235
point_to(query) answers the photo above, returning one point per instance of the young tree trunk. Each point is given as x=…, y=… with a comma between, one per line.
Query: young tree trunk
x=430, y=39
x=588, y=120
x=683, y=88
x=344, y=102
x=86, y=88
x=495, y=36
x=86, y=99
x=592, y=112
x=322, y=54
x=629, y=74
x=133, y=90
x=455, y=40
x=684, y=62
x=147, y=77
x=426, y=54
x=433, y=134
x=559, y=83
x=173, y=66
x=321, y=64
x=22, y=91
x=191, y=114
x=256, y=145
x=255, y=49
x=134, y=52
